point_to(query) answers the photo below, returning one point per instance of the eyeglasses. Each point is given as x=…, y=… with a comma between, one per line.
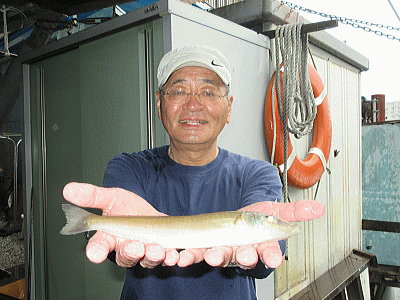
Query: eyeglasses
x=205, y=95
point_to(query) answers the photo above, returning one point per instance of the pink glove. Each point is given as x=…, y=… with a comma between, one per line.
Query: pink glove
x=115, y=201
x=268, y=252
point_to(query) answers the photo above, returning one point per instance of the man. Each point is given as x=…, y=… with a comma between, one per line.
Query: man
x=190, y=176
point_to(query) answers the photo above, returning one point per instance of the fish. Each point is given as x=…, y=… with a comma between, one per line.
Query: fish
x=227, y=228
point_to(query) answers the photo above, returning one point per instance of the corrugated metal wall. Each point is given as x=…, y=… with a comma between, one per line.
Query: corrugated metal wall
x=325, y=242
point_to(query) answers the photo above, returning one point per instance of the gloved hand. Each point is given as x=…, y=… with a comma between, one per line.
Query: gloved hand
x=115, y=201
x=269, y=252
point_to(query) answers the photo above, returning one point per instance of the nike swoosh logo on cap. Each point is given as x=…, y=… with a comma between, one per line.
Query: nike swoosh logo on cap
x=214, y=64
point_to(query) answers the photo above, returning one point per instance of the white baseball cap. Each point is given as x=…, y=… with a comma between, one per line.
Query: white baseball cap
x=201, y=56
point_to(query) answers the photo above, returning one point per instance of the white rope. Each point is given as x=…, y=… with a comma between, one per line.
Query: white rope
x=297, y=108
x=301, y=105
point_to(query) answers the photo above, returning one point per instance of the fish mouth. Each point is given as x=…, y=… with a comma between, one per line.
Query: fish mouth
x=193, y=122
x=294, y=229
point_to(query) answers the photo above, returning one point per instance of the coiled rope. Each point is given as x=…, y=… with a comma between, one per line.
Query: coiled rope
x=297, y=108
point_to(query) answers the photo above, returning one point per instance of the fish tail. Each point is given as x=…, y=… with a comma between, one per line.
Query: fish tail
x=76, y=219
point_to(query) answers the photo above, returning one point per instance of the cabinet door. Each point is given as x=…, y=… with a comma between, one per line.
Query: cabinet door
x=87, y=106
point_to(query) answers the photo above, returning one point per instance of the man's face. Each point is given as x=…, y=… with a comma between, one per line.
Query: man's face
x=192, y=122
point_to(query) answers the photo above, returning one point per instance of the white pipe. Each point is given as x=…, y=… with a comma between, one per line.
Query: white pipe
x=6, y=51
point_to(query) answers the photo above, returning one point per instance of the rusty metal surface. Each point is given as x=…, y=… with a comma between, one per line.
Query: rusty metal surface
x=333, y=282
x=383, y=276
x=380, y=107
x=390, y=275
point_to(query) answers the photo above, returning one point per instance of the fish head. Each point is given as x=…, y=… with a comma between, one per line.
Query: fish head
x=275, y=228
x=285, y=229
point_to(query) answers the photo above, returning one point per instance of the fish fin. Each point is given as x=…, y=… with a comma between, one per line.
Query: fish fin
x=76, y=219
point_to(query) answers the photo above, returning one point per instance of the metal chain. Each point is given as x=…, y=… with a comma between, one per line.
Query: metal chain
x=347, y=21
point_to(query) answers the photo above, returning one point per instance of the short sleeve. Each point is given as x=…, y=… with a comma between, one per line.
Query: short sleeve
x=126, y=171
x=261, y=183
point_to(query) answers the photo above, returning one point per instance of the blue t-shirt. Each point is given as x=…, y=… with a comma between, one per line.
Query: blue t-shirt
x=229, y=182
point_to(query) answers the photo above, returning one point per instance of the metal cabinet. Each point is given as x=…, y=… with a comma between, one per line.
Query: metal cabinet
x=91, y=96
x=86, y=106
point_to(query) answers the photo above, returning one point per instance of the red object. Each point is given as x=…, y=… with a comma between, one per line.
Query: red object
x=380, y=106
x=302, y=173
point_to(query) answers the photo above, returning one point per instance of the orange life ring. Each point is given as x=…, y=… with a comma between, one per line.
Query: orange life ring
x=301, y=173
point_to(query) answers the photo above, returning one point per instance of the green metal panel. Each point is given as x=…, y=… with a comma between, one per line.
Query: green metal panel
x=37, y=207
x=65, y=257
x=158, y=52
x=381, y=180
x=63, y=164
x=94, y=109
x=111, y=123
x=111, y=118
